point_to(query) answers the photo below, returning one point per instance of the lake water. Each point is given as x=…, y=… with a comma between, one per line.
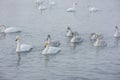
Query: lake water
x=84, y=62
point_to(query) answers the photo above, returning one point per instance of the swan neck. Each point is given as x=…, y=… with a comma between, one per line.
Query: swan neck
x=73, y=5
x=18, y=45
x=117, y=30
x=49, y=40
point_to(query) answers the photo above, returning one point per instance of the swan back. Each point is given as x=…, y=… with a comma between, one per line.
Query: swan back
x=22, y=47
x=12, y=30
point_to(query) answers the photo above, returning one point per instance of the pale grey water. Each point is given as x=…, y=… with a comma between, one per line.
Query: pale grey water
x=85, y=62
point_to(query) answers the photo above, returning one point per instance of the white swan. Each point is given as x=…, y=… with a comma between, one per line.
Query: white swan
x=117, y=32
x=10, y=29
x=72, y=9
x=51, y=43
x=99, y=42
x=75, y=38
x=22, y=47
x=69, y=32
x=50, y=49
x=92, y=9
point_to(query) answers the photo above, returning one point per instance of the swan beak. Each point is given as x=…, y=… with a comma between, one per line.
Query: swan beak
x=15, y=39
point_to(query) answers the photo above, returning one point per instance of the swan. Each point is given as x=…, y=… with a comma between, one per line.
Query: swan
x=99, y=42
x=117, y=32
x=22, y=47
x=9, y=30
x=50, y=49
x=51, y=43
x=92, y=9
x=69, y=32
x=75, y=38
x=72, y=9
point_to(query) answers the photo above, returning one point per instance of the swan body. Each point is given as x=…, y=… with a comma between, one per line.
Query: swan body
x=117, y=32
x=50, y=50
x=69, y=32
x=71, y=9
x=22, y=47
x=10, y=29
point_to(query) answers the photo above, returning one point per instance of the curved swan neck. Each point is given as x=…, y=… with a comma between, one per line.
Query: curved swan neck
x=18, y=45
x=74, y=5
x=117, y=29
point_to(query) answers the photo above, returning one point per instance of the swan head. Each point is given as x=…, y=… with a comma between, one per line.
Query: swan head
x=17, y=38
x=48, y=36
x=116, y=27
x=75, y=3
x=68, y=28
x=93, y=34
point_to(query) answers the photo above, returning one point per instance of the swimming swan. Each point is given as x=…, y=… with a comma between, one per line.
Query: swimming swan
x=22, y=47
x=9, y=30
x=51, y=43
x=72, y=9
x=69, y=32
x=50, y=50
x=117, y=32
x=75, y=38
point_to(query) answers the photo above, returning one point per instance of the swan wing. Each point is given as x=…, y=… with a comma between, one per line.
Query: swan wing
x=12, y=30
x=55, y=43
x=25, y=47
x=70, y=10
x=51, y=50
